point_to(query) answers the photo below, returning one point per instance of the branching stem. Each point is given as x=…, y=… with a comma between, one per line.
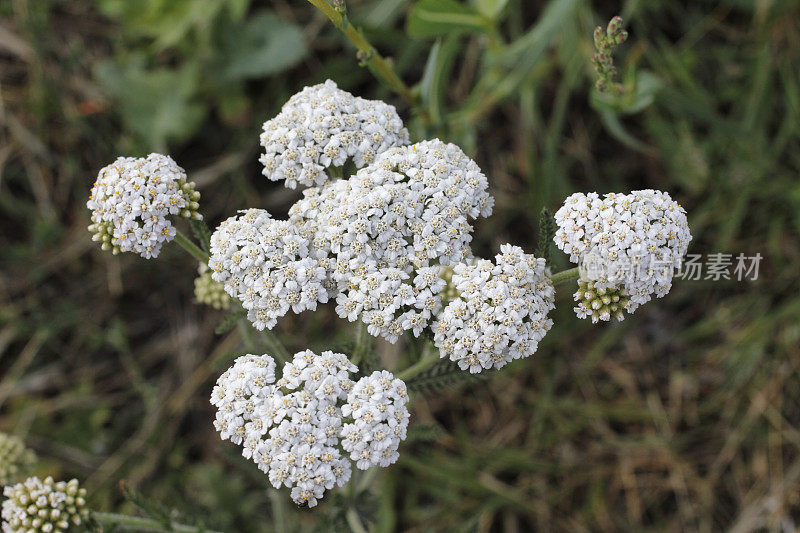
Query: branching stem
x=187, y=244
x=382, y=69
x=423, y=364
x=565, y=276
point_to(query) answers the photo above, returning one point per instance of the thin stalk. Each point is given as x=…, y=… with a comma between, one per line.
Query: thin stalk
x=366, y=479
x=378, y=65
x=354, y=521
x=427, y=361
x=363, y=343
x=135, y=523
x=278, y=510
x=276, y=346
x=191, y=247
x=565, y=275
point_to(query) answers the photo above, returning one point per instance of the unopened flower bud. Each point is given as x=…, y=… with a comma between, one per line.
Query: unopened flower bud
x=37, y=505
x=15, y=459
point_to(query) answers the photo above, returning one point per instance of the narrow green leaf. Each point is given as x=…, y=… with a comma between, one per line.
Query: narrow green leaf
x=645, y=88
x=431, y=18
x=435, y=78
x=617, y=130
x=521, y=58
x=491, y=8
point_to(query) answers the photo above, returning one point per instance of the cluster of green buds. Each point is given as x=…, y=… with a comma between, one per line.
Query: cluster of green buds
x=46, y=506
x=605, y=41
x=600, y=303
x=192, y=196
x=16, y=461
x=210, y=292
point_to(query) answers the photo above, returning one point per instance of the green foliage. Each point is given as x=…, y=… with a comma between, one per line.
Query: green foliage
x=443, y=374
x=213, y=48
x=436, y=77
x=424, y=433
x=547, y=230
x=202, y=233
x=264, y=45
x=431, y=18
x=159, y=104
x=148, y=507
x=230, y=321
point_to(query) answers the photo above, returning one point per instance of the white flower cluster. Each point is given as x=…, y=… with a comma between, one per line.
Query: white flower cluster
x=265, y=264
x=15, y=459
x=386, y=231
x=45, y=506
x=291, y=427
x=377, y=405
x=632, y=242
x=132, y=199
x=375, y=242
x=323, y=126
x=500, y=314
x=410, y=208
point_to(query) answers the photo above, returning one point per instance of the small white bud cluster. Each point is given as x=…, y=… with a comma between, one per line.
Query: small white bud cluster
x=291, y=427
x=377, y=405
x=323, y=126
x=500, y=314
x=265, y=264
x=43, y=506
x=633, y=242
x=132, y=199
x=15, y=459
x=209, y=292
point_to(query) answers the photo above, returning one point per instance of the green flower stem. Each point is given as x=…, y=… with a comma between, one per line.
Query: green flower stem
x=423, y=364
x=278, y=506
x=378, y=64
x=354, y=521
x=363, y=343
x=564, y=276
x=191, y=247
x=367, y=479
x=275, y=346
x=135, y=523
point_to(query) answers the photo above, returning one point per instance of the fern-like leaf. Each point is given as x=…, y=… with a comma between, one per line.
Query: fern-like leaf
x=424, y=433
x=547, y=230
x=443, y=374
x=229, y=322
x=202, y=234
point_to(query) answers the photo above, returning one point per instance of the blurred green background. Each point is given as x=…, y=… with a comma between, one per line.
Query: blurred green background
x=684, y=417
